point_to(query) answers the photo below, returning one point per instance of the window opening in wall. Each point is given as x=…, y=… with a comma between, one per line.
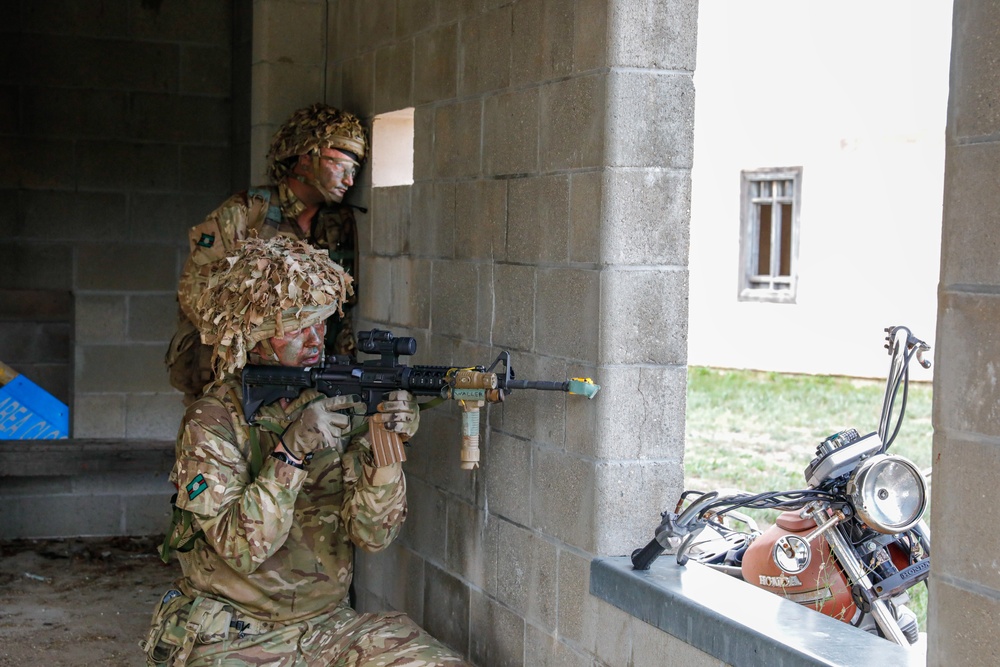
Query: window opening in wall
x=770, y=200
x=392, y=149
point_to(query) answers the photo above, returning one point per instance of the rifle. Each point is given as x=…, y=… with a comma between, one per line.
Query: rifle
x=472, y=387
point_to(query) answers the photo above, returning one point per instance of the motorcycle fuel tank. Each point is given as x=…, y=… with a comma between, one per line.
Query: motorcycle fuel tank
x=821, y=586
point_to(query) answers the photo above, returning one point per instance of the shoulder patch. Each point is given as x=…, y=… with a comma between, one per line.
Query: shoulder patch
x=196, y=486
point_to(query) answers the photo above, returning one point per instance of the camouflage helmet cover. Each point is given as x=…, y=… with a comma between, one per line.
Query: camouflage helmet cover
x=267, y=288
x=314, y=127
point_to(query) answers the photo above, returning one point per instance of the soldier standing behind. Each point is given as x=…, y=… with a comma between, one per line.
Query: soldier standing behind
x=312, y=162
x=273, y=509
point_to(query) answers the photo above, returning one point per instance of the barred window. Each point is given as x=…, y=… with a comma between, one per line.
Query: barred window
x=769, y=237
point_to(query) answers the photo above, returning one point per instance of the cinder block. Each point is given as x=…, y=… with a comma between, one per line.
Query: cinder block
x=345, y=28
x=651, y=120
x=485, y=52
x=432, y=224
x=563, y=495
x=375, y=295
x=133, y=267
x=148, y=514
x=472, y=545
x=538, y=220
x=585, y=215
x=543, y=35
x=653, y=34
x=510, y=133
x=61, y=516
x=59, y=18
x=359, y=85
x=290, y=32
x=567, y=313
x=537, y=416
x=573, y=121
x=15, y=486
x=98, y=415
x=457, y=144
x=206, y=169
x=628, y=499
x=969, y=249
x=648, y=306
x=11, y=216
x=74, y=113
x=55, y=216
x=153, y=416
x=481, y=220
x=120, y=165
x=100, y=318
x=28, y=342
x=404, y=583
x=152, y=318
x=36, y=266
x=961, y=625
x=36, y=305
x=415, y=16
x=423, y=143
x=390, y=220
x=527, y=575
x=426, y=510
x=105, y=64
x=613, y=639
x=542, y=648
x=166, y=217
x=650, y=644
x=435, y=75
x=394, y=76
x=590, y=35
x=965, y=392
x=184, y=119
x=446, y=608
x=964, y=469
x=378, y=22
x=646, y=217
x=36, y=163
x=507, y=473
x=974, y=107
x=651, y=399
x=173, y=21
x=496, y=633
x=577, y=607
x=52, y=377
x=513, y=303
x=205, y=70
x=454, y=305
x=411, y=292
x=121, y=368
x=279, y=89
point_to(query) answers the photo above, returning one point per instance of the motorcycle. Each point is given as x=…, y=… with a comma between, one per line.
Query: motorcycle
x=849, y=545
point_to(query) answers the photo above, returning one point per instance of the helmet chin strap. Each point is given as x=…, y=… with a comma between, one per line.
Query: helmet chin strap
x=263, y=354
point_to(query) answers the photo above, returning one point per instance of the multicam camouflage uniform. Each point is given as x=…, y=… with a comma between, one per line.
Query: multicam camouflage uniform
x=266, y=212
x=267, y=584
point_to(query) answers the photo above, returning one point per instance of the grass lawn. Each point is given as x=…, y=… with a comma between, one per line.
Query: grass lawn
x=757, y=431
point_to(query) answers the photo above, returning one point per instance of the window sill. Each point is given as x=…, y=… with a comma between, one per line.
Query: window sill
x=735, y=622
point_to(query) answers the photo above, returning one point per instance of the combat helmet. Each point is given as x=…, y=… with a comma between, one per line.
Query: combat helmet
x=267, y=288
x=310, y=129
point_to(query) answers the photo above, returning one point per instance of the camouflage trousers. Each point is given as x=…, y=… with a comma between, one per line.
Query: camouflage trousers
x=340, y=638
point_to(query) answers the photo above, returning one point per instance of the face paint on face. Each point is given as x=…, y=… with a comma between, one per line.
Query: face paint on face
x=333, y=174
x=302, y=348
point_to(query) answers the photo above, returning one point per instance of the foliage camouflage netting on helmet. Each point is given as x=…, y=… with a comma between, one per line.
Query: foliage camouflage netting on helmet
x=310, y=128
x=268, y=288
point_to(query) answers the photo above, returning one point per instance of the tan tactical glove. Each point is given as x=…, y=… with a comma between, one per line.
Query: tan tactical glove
x=321, y=423
x=399, y=414
x=395, y=422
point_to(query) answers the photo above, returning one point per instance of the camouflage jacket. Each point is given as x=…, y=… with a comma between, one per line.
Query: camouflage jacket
x=268, y=211
x=277, y=547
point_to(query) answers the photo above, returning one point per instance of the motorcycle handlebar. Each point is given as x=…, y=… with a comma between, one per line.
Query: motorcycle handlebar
x=673, y=525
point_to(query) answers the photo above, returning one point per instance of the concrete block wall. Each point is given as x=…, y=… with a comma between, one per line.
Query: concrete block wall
x=965, y=581
x=115, y=130
x=548, y=217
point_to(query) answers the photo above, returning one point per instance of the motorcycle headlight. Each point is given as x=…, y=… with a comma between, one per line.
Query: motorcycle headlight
x=889, y=493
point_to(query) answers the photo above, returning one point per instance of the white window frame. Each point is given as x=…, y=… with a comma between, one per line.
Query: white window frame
x=772, y=286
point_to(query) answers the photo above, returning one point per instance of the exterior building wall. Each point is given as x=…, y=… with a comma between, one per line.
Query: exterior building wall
x=548, y=217
x=855, y=94
x=114, y=138
x=965, y=581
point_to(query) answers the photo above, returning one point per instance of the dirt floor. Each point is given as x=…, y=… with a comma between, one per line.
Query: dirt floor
x=84, y=601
